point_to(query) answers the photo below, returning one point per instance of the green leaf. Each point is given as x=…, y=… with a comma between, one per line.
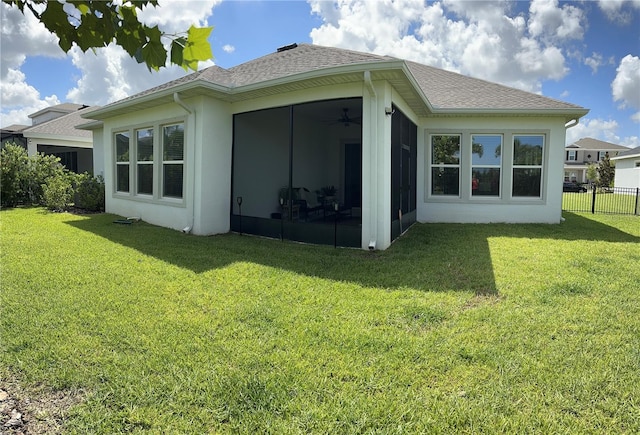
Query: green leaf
x=176, y=53
x=197, y=47
x=55, y=19
x=153, y=52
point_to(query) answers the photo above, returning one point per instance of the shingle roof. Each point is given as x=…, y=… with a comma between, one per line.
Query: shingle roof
x=14, y=128
x=443, y=90
x=449, y=90
x=62, y=126
x=633, y=152
x=301, y=59
x=63, y=108
x=588, y=143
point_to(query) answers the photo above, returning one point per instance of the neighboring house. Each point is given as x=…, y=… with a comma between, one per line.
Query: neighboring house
x=250, y=149
x=627, y=168
x=13, y=134
x=59, y=136
x=53, y=112
x=585, y=151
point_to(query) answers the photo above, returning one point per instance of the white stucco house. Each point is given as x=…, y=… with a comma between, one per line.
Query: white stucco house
x=310, y=143
x=627, y=169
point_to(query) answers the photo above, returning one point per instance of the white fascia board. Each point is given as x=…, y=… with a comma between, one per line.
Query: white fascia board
x=93, y=125
x=628, y=156
x=57, y=137
x=570, y=113
x=108, y=111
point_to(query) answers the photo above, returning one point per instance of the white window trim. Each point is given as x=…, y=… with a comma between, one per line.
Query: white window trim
x=506, y=181
x=444, y=165
x=572, y=156
x=120, y=163
x=157, y=162
x=474, y=166
x=164, y=162
x=541, y=167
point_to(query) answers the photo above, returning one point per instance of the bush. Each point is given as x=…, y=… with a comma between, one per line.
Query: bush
x=14, y=175
x=58, y=192
x=90, y=192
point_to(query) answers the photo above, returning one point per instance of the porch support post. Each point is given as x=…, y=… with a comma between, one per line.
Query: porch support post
x=376, y=165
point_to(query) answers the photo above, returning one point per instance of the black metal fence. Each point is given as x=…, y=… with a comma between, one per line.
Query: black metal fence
x=615, y=200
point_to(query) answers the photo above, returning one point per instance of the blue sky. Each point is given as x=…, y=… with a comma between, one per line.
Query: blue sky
x=583, y=52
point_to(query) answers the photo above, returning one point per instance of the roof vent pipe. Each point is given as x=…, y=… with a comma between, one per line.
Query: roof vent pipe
x=287, y=47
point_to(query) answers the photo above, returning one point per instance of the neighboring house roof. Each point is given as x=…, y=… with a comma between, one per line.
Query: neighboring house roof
x=14, y=128
x=632, y=153
x=62, y=127
x=60, y=108
x=588, y=143
x=427, y=90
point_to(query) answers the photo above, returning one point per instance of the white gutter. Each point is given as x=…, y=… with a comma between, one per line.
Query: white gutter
x=192, y=212
x=373, y=161
x=572, y=123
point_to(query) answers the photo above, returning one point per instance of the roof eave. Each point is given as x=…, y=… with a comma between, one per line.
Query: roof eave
x=52, y=136
x=629, y=156
x=568, y=113
x=93, y=125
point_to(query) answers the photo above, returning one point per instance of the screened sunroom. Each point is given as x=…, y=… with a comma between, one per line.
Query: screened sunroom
x=297, y=172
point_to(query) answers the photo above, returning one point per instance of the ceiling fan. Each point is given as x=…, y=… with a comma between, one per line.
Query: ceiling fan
x=346, y=119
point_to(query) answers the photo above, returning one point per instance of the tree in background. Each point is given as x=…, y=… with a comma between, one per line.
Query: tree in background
x=606, y=172
x=92, y=24
x=592, y=173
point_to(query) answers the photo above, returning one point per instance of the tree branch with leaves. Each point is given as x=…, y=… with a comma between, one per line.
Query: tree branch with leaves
x=91, y=24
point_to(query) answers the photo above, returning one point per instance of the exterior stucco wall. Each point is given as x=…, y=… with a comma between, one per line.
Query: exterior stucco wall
x=167, y=213
x=627, y=174
x=98, y=152
x=465, y=209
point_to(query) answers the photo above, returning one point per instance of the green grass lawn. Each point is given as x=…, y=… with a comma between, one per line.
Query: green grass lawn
x=454, y=329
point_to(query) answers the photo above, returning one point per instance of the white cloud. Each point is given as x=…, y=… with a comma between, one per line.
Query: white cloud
x=228, y=48
x=594, y=62
x=626, y=86
x=619, y=11
x=595, y=128
x=551, y=23
x=22, y=36
x=177, y=15
x=480, y=39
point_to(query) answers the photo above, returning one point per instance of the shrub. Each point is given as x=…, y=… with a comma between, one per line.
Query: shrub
x=90, y=192
x=43, y=168
x=58, y=192
x=14, y=175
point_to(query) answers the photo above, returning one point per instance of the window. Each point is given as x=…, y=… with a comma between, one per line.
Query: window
x=122, y=161
x=601, y=155
x=486, y=158
x=527, y=166
x=144, y=151
x=572, y=155
x=149, y=161
x=445, y=165
x=172, y=160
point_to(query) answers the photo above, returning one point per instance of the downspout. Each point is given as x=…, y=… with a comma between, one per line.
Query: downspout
x=373, y=159
x=572, y=123
x=192, y=212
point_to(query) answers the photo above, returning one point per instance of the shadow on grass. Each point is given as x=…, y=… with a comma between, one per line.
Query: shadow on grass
x=430, y=257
